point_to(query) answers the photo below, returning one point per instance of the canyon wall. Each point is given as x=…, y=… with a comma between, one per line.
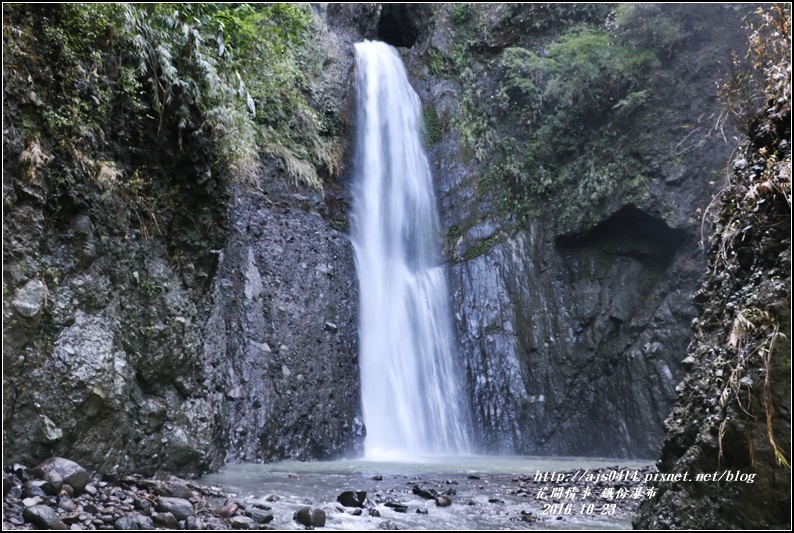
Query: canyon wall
x=222, y=326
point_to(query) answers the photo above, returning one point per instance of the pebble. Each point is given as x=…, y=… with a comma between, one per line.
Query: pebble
x=310, y=517
x=397, y=506
x=194, y=523
x=179, y=507
x=318, y=518
x=225, y=511
x=352, y=498
x=70, y=472
x=242, y=522
x=260, y=516
x=166, y=520
x=29, y=502
x=125, y=523
x=67, y=504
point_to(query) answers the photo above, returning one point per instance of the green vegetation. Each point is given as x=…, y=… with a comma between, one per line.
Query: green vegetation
x=461, y=14
x=553, y=112
x=764, y=118
x=584, y=79
x=432, y=125
x=277, y=53
x=236, y=79
x=145, y=115
x=652, y=27
x=478, y=249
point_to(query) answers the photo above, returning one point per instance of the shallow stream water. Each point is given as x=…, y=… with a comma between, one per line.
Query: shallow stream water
x=487, y=492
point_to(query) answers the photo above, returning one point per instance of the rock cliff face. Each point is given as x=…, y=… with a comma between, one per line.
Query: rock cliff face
x=732, y=418
x=145, y=337
x=585, y=343
x=103, y=338
x=121, y=361
x=227, y=332
x=572, y=335
x=281, y=339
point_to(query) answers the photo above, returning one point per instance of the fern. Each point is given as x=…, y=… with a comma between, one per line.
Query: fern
x=193, y=56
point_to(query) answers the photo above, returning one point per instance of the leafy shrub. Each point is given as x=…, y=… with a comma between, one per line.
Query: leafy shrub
x=461, y=14
x=586, y=82
x=558, y=112
x=432, y=125
x=235, y=76
x=652, y=26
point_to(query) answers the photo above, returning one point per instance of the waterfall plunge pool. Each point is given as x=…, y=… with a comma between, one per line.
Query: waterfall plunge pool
x=487, y=492
x=412, y=398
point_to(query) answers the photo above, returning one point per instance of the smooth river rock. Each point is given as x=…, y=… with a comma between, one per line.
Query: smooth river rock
x=180, y=508
x=43, y=516
x=70, y=472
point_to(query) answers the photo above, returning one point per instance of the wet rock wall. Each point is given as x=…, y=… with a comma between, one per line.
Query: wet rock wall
x=571, y=340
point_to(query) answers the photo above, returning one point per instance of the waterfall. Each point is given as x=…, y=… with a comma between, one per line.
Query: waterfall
x=411, y=395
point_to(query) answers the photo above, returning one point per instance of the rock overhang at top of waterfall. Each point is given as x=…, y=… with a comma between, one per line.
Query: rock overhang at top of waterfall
x=402, y=25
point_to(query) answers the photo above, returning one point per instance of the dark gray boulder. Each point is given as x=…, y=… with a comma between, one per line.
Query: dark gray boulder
x=70, y=472
x=178, y=507
x=43, y=516
x=303, y=516
x=352, y=499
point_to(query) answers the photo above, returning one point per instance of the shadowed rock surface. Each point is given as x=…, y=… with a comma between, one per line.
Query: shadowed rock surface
x=572, y=331
x=732, y=418
x=224, y=328
x=217, y=323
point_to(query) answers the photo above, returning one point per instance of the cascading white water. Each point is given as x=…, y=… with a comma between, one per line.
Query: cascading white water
x=411, y=394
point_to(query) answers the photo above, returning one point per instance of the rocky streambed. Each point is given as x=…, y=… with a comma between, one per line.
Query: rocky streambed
x=59, y=494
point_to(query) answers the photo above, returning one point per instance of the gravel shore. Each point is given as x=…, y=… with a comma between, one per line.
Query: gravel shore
x=62, y=495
